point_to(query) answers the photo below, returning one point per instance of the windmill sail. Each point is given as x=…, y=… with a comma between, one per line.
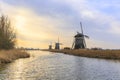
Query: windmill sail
x=73, y=44
x=81, y=27
x=83, y=35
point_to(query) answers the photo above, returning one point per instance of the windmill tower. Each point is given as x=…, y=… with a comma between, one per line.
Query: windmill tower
x=57, y=44
x=50, y=46
x=79, y=41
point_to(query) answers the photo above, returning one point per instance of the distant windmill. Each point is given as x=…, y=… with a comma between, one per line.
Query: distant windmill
x=57, y=44
x=79, y=41
x=50, y=46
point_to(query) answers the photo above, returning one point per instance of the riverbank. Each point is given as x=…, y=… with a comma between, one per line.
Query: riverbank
x=105, y=54
x=7, y=56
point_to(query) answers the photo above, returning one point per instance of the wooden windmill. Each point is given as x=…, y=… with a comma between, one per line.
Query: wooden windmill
x=50, y=46
x=57, y=44
x=79, y=41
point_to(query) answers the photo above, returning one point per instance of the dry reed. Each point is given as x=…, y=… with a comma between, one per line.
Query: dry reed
x=106, y=54
x=10, y=55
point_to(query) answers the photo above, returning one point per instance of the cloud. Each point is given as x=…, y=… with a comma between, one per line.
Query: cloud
x=39, y=25
x=33, y=29
x=115, y=28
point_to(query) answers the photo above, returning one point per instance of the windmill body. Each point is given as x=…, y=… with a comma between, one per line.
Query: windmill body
x=50, y=46
x=57, y=45
x=79, y=41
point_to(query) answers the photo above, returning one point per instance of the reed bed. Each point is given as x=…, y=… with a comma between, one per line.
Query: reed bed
x=106, y=54
x=11, y=55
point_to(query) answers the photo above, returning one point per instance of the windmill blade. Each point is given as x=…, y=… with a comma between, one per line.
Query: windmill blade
x=84, y=42
x=73, y=44
x=81, y=28
x=83, y=34
x=86, y=36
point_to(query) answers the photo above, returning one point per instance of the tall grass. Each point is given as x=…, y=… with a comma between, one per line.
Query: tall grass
x=107, y=54
x=10, y=55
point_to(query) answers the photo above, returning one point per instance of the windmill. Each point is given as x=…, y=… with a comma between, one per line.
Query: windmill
x=57, y=44
x=50, y=46
x=79, y=41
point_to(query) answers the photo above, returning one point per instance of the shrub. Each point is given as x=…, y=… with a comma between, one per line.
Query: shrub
x=7, y=34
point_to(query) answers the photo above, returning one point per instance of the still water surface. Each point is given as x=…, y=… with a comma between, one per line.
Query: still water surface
x=57, y=66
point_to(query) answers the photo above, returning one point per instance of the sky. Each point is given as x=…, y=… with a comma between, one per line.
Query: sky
x=39, y=23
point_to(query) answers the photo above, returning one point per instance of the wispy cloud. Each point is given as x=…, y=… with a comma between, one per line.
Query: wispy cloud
x=34, y=29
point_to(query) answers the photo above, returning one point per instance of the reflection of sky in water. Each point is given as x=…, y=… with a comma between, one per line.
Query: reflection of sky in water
x=50, y=66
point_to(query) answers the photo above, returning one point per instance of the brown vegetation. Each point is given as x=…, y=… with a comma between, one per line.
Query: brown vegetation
x=10, y=55
x=106, y=54
x=7, y=42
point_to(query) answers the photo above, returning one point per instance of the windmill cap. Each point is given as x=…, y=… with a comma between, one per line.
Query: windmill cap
x=79, y=35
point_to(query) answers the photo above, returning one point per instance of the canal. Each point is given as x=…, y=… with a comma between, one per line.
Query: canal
x=56, y=66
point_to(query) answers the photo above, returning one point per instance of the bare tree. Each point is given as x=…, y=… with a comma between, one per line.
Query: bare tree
x=7, y=34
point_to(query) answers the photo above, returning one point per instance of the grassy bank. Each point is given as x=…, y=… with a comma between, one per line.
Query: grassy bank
x=106, y=54
x=11, y=55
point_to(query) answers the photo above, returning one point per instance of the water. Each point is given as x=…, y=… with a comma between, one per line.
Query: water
x=57, y=66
